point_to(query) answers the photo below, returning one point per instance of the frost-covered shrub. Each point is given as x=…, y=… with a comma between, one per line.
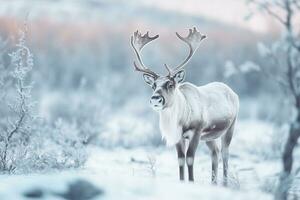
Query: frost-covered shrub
x=270, y=147
x=132, y=126
x=57, y=146
x=15, y=130
x=28, y=143
x=127, y=130
x=101, y=122
x=230, y=69
x=54, y=147
x=88, y=112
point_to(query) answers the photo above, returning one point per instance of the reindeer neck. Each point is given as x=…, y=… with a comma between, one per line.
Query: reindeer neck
x=171, y=119
x=178, y=110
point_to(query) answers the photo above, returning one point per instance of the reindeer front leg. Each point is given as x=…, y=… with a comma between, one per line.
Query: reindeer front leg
x=180, y=148
x=190, y=155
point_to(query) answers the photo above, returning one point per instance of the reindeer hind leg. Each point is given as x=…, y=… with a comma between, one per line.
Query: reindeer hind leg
x=226, y=139
x=213, y=147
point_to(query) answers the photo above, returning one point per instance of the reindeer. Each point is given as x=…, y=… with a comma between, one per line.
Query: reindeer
x=188, y=113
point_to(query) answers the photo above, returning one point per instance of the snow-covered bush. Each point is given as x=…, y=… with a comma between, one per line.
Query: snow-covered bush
x=151, y=164
x=132, y=126
x=88, y=112
x=128, y=130
x=27, y=142
x=101, y=122
x=55, y=146
x=16, y=131
x=230, y=69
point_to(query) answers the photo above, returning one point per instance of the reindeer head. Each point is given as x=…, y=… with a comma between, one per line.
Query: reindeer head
x=164, y=86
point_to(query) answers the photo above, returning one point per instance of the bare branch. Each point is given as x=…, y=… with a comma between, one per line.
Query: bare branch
x=273, y=14
x=290, y=74
x=296, y=3
x=266, y=7
x=296, y=46
x=279, y=4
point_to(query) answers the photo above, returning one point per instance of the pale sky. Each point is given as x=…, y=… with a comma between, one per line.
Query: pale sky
x=229, y=11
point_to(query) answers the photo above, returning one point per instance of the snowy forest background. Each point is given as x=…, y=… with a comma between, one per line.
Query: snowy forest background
x=73, y=107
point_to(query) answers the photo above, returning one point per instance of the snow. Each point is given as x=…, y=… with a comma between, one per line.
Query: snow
x=127, y=173
x=121, y=187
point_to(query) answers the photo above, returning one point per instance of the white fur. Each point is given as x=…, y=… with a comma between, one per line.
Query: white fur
x=170, y=118
x=208, y=104
x=190, y=160
x=181, y=161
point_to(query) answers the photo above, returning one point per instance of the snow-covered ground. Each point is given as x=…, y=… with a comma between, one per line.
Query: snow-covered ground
x=152, y=173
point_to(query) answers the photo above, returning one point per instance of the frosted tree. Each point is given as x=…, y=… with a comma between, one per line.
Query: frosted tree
x=15, y=133
x=284, y=56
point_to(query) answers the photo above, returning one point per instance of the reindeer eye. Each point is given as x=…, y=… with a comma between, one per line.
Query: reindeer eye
x=170, y=85
x=154, y=86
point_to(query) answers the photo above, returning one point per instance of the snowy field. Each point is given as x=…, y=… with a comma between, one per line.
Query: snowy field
x=152, y=173
x=75, y=121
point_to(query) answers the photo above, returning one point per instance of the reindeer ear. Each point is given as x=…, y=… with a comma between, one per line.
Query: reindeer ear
x=149, y=79
x=179, y=76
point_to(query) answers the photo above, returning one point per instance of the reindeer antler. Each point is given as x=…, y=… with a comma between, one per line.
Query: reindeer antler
x=193, y=40
x=138, y=42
